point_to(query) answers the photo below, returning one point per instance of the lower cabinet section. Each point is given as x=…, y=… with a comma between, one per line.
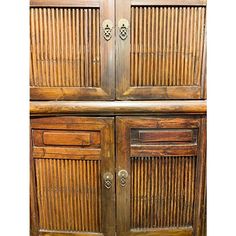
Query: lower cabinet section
x=153, y=186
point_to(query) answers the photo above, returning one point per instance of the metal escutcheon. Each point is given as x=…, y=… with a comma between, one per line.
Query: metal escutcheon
x=107, y=26
x=123, y=26
x=108, y=177
x=123, y=175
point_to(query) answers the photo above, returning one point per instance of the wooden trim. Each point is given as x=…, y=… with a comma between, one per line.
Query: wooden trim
x=64, y=3
x=118, y=107
x=201, y=180
x=169, y=2
x=123, y=11
x=161, y=92
x=183, y=231
x=65, y=233
x=66, y=153
x=163, y=150
x=66, y=93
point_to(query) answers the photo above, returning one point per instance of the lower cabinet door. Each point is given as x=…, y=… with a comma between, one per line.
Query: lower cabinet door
x=72, y=176
x=160, y=176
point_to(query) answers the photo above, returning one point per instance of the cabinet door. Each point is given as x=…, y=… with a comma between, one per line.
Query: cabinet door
x=160, y=176
x=160, y=49
x=72, y=176
x=72, y=50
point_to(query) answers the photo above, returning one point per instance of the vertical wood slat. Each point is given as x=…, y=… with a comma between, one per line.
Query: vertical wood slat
x=65, y=49
x=68, y=195
x=178, y=33
x=162, y=191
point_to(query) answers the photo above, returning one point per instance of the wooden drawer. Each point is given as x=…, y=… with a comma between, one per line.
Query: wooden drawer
x=66, y=138
x=165, y=136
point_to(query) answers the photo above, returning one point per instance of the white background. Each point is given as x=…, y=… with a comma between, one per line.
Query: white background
x=14, y=115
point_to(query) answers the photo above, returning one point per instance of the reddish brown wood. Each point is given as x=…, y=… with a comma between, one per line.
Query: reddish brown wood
x=165, y=135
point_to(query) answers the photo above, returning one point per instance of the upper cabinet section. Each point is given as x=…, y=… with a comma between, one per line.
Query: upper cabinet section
x=117, y=49
x=160, y=49
x=72, y=50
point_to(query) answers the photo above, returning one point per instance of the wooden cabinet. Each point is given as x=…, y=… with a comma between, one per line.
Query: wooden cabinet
x=118, y=117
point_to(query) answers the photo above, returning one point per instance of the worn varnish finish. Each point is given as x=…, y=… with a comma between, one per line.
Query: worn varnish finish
x=155, y=185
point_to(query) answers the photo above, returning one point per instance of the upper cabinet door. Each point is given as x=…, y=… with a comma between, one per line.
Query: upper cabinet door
x=72, y=49
x=160, y=49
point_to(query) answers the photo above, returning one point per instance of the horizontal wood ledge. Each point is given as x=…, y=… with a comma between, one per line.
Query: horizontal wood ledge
x=117, y=107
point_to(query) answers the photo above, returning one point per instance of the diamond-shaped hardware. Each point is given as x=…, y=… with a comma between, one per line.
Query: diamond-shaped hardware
x=108, y=177
x=123, y=175
x=123, y=26
x=107, y=26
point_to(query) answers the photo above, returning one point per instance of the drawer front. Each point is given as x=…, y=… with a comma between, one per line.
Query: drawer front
x=69, y=157
x=161, y=171
x=66, y=138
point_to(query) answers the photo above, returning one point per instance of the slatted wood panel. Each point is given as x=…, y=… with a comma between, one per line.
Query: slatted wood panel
x=68, y=193
x=162, y=191
x=166, y=46
x=65, y=47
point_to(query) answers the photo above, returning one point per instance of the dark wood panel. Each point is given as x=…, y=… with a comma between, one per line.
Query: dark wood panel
x=118, y=107
x=165, y=135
